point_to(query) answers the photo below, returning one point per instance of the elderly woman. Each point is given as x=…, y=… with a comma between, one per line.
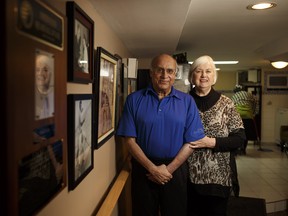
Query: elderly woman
x=212, y=166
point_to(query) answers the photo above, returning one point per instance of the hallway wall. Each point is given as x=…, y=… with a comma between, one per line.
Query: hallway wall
x=88, y=194
x=86, y=197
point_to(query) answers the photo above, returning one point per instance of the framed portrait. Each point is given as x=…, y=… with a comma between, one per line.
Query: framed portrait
x=80, y=44
x=80, y=138
x=44, y=85
x=104, y=89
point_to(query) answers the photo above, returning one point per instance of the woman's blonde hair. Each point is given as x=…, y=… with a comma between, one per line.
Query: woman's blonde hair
x=199, y=61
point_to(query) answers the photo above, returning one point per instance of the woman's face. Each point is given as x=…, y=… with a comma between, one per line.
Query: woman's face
x=203, y=76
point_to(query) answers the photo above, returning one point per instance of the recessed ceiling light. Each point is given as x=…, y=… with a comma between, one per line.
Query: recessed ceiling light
x=261, y=6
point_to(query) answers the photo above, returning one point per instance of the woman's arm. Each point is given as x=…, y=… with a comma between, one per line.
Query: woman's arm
x=234, y=140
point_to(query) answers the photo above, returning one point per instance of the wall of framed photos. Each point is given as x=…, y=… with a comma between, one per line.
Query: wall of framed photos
x=41, y=168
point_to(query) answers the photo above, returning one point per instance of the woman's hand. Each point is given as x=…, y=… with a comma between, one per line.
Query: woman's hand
x=206, y=142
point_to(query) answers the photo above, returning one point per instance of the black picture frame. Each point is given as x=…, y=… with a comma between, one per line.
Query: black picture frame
x=104, y=90
x=80, y=138
x=80, y=49
x=40, y=177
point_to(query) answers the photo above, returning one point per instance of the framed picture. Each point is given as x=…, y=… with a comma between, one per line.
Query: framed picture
x=80, y=44
x=125, y=82
x=80, y=138
x=44, y=85
x=40, y=177
x=179, y=72
x=119, y=89
x=104, y=89
x=30, y=23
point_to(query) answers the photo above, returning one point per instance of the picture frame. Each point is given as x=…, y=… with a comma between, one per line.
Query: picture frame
x=44, y=91
x=80, y=138
x=125, y=82
x=119, y=90
x=179, y=72
x=42, y=170
x=50, y=35
x=104, y=90
x=80, y=44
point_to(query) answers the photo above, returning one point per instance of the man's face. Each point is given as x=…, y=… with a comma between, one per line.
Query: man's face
x=43, y=72
x=163, y=73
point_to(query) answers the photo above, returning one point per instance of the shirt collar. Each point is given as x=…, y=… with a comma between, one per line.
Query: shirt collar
x=173, y=93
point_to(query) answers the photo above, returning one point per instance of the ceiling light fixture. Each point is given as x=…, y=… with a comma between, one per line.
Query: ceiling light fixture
x=221, y=62
x=279, y=64
x=226, y=62
x=261, y=6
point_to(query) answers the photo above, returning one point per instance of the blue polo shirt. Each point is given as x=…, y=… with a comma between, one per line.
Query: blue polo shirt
x=160, y=127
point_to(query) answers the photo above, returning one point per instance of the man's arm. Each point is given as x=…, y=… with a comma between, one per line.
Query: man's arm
x=186, y=151
x=180, y=158
x=157, y=174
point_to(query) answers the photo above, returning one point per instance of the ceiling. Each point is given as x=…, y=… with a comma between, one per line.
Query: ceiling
x=223, y=29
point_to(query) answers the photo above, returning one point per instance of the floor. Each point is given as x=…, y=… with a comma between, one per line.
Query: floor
x=263, y=173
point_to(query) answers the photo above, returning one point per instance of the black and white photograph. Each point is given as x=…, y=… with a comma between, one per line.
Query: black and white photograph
x=44, y=85
x=80, y=44
x=81, y=47
x=80, y=139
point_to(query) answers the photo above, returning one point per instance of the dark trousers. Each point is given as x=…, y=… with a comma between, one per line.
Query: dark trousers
x=199, y=205
x=149, y=198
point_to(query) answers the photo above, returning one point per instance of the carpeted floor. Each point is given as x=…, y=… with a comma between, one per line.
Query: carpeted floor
x=246, y=206
x=282, y=213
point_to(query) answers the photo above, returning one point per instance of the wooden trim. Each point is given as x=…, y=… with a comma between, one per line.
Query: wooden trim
x=113, y=195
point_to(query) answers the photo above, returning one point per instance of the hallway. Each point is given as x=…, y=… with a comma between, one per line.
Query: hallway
x=264, y=174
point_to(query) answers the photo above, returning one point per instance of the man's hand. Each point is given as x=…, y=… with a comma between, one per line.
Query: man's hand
x=159, y=174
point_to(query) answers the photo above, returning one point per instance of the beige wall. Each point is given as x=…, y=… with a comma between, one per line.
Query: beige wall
x=86, y=196
x=226, y=82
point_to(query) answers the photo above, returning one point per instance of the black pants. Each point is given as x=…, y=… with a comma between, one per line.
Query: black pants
x=199, y=205
x=149, y=198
